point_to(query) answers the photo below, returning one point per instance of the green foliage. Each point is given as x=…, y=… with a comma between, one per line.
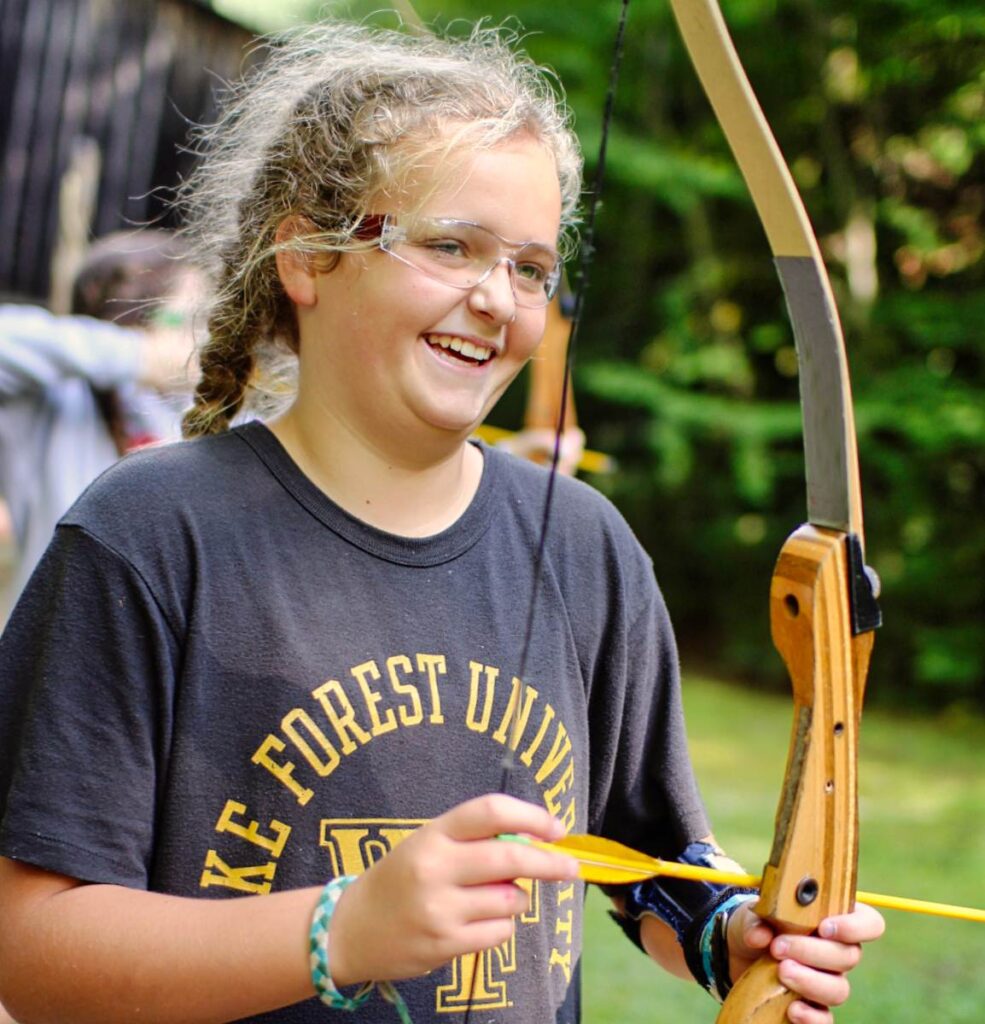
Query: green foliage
x=921, y=791
x=686, y=371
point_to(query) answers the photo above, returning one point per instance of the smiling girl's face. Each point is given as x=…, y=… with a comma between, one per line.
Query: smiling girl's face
x=380, y=339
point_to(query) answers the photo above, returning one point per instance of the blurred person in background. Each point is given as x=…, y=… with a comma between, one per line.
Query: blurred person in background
x=79, y=391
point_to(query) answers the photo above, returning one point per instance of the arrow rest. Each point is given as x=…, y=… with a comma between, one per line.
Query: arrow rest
x=863, y=589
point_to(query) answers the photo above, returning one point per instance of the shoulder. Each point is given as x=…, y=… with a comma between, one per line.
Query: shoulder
x=582, y=522
x=158, y=469
x=155, y=492
x=176, y=517
x=598, y=573
x=575, y=503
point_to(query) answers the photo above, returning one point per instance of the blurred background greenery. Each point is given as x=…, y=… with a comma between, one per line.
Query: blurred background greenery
x=922, y=802
x=687, y=376
x=686, y=371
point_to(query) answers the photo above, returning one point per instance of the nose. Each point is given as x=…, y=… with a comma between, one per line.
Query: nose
x=492, y=296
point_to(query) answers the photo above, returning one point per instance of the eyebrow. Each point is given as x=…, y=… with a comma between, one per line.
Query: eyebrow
x=372, y=224
x=506, y=241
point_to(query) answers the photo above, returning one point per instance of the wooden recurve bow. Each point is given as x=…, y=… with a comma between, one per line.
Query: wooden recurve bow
x=822, y=597
x=546, y=395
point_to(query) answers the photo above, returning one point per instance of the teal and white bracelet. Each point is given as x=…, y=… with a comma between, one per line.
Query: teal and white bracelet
x=321, y=974
x=713, y=945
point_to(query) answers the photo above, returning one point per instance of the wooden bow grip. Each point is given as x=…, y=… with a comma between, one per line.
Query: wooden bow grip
x=811, y=873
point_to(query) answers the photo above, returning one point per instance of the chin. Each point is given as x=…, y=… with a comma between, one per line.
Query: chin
x=456, y=430
x=460, y=423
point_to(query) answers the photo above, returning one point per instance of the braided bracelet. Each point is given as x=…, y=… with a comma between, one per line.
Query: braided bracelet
x=321, y=974
x=318, y=949
x=712, y=945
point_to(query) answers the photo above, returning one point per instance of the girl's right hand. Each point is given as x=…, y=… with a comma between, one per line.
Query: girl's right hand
x=446, y=890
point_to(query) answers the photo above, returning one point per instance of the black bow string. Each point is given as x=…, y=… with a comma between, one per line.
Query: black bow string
x=585, y=258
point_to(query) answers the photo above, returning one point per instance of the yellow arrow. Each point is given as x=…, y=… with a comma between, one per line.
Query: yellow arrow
x=610, y=863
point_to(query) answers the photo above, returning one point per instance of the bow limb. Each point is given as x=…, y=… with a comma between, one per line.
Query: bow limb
x=550, y=411
x=822, y=601
x=544, y=397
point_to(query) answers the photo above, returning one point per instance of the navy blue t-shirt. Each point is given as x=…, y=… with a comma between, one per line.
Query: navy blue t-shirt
x=219, y=683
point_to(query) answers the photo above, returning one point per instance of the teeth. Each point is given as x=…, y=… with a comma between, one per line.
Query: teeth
x=467, y=348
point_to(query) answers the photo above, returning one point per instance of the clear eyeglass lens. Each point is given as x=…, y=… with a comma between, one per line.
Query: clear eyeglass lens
x=462, y=254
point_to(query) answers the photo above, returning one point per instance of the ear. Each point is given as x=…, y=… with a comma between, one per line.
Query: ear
x=297, y=270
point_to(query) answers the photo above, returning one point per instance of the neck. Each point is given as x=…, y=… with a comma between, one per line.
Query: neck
x=409, y=493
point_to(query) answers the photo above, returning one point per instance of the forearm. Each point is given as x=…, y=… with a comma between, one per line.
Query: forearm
x=659, y=942
x=661, y=945
x=105, y=954
x=38, y=349
x=99, y=954
x=679, y=922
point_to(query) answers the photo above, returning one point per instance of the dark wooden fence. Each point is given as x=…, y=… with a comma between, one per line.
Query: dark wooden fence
x=123, y=78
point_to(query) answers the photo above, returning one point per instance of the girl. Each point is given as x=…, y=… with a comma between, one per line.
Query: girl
x=278, y=654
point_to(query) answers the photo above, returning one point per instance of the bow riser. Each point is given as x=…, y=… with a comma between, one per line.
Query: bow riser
x=811, y=870
x=811, y=873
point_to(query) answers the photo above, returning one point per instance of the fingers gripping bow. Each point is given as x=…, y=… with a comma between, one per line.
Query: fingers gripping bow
x=822, y=600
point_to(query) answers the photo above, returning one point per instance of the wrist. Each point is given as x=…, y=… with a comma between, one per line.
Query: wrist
x=707, y=946
x=165, y=359
x=343, y=971
x=327, y=961
x=148, y=369
x=732, y=939
x=326, y=958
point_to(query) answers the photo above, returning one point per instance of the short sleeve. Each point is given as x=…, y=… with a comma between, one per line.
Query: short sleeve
x=644, y=792
x=87, y=669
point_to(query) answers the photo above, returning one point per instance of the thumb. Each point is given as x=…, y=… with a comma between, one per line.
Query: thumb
x=748, y=934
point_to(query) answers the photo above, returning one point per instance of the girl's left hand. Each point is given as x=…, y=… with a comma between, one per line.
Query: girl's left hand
x=812, y=966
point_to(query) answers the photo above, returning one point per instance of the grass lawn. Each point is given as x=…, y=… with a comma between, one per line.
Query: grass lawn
x=922, y=809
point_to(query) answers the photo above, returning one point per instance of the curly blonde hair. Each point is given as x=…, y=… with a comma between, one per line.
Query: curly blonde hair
x=336, y=117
